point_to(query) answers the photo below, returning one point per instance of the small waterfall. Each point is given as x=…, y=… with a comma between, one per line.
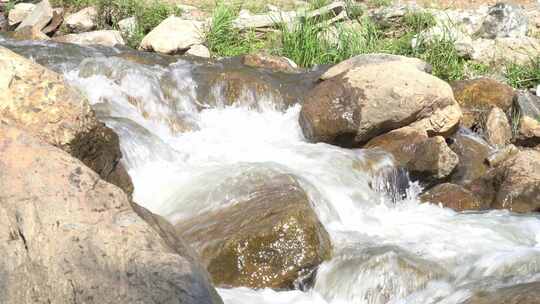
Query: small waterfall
x=191, y=143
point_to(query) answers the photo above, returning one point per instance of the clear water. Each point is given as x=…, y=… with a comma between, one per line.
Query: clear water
x=385, y=251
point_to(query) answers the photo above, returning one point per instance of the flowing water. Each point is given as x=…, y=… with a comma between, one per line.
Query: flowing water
x=188, y=149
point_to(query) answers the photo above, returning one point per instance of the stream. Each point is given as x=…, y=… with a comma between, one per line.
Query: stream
x=188, y=146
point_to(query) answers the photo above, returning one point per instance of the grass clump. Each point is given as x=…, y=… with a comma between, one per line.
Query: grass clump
x=223, y=39
x=523, y=76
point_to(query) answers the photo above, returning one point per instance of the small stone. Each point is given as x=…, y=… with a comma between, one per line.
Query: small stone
x=198, y=50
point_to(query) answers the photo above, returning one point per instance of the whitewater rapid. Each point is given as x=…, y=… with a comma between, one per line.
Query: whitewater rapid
x=385, y=251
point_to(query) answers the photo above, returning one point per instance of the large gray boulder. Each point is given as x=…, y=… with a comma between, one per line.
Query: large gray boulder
x=69, y=237
x=368, y=100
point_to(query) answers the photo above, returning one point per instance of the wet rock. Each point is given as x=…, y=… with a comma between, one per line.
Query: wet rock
x=173, y=35
x=472, y=152
x=368, y=59
x=19, y=12
x=504, y=20
x=57, y=19
x=453, y=196
x=198, y=50
x=477, y=96
x=267, y=238
x=527, y=117
x=513, y=185
x=433, y=160
x=401, y=143
x=83, y=20
x=275, y=63
x=40, y=16
x=79, y=240
x=354, y=275
x=103, y=37
x=364, y=102
x=525, y=293
x=38, y=101
x=497, y=130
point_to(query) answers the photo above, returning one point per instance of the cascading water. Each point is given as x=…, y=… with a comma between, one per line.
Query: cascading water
x=187, y=155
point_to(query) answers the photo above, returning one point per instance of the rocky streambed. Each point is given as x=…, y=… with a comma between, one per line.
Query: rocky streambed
x=130, y=177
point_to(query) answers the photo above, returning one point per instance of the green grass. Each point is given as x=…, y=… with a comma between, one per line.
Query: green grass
x=523, y=76
x=225, y=40
x=379, y=3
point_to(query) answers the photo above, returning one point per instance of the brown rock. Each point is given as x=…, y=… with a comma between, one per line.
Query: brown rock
x=433, y=159
x=453, y=196
x=361, y=103
x=513, y=185
x=472, y=152
x=498, y=131
x=269, y=238
x=526, y=115
x=401, y=143
x=38, y=101
x=69, y=237
x=275, y=63
x=526, y=293
x=477, y=96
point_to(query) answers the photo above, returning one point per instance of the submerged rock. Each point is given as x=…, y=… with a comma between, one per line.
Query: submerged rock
x=173, y=35
x=364, y=102
x=513, y=185
x=38, y=101
x=453, y=196
x=375, y=275
x=477, y=96
x=525, y=293
x=78, y=239
x=103, y=37
x=82, y=21
x=269, y=237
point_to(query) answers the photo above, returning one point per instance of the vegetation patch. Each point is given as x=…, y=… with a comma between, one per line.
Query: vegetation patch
x=523, y=76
